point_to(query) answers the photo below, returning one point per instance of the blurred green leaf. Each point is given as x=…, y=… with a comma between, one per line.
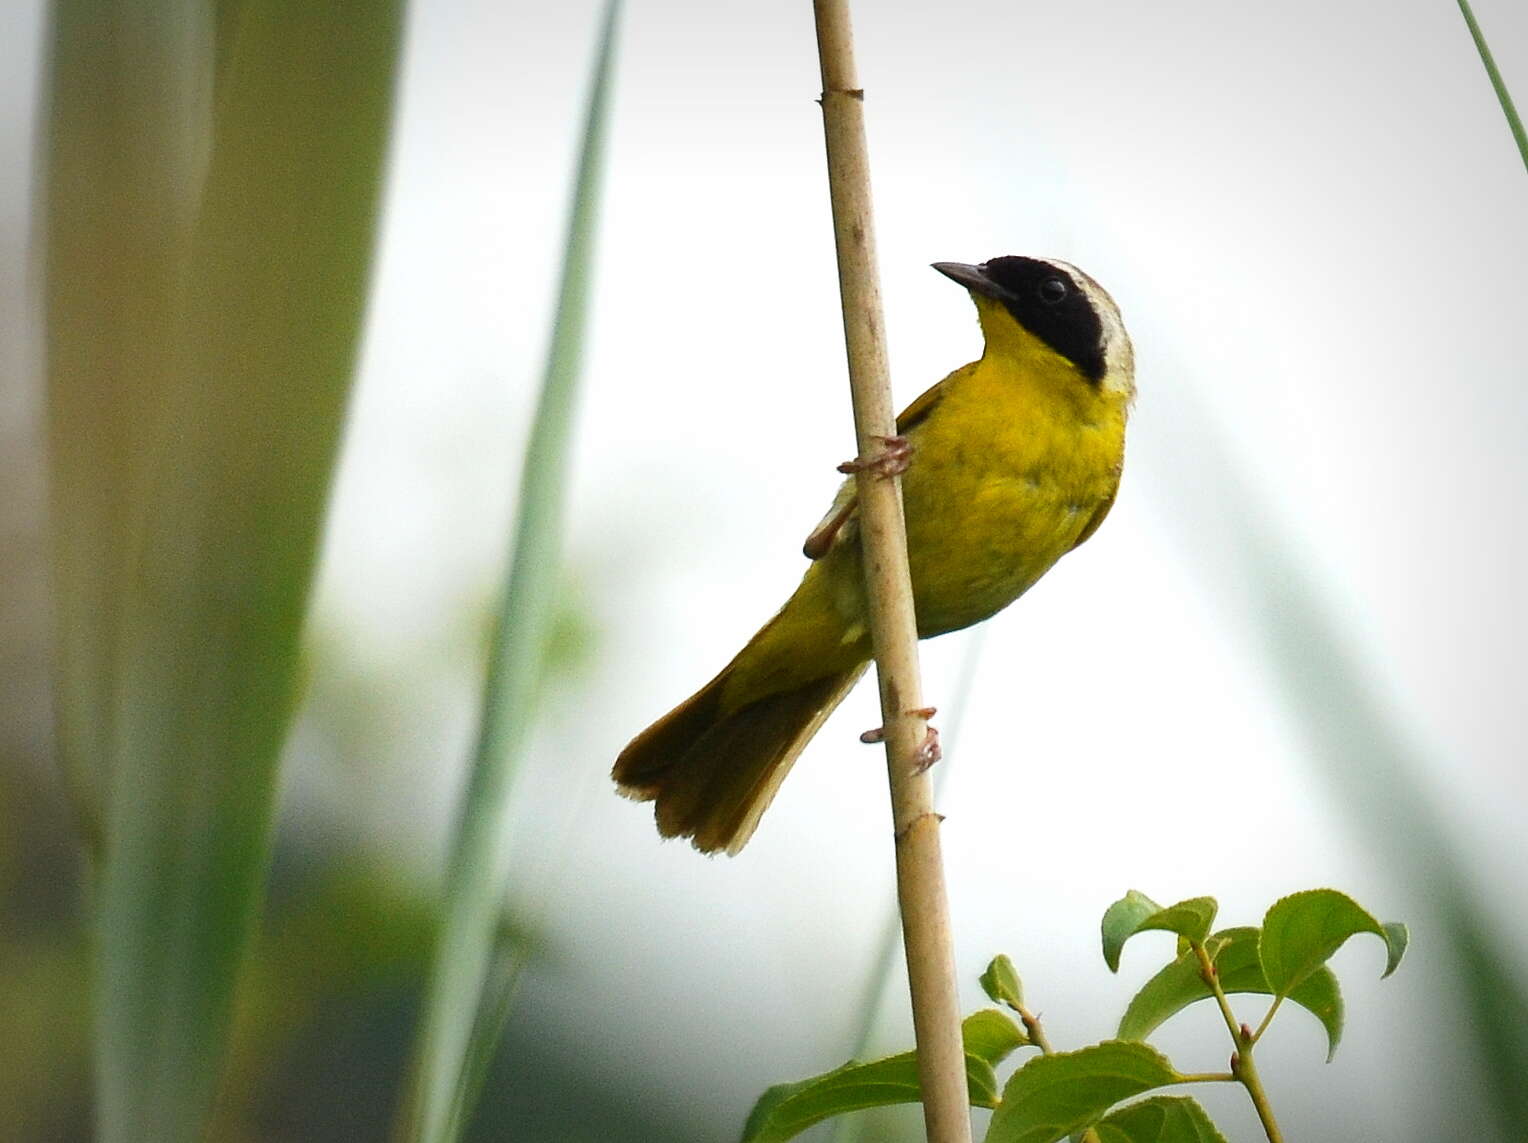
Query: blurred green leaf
x=1160, y=1119
x=1359, y=743
x=1497, y=1010
x=196, y=393
x=1136, y=913
x=1052, y=1096
x=128, y=126
x=459, y=1025
x=500, y=984
x=1301, y=931
x=44, y=1011
x=1234, y=952
x=787, y=1109
x=1001, y=983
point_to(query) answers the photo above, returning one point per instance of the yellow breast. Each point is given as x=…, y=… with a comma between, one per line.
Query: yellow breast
x=1008, y=472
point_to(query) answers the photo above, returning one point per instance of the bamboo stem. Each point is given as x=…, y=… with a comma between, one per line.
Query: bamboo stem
x=893, y=628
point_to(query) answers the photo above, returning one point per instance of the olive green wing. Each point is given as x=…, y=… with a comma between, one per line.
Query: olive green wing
x=919, y=410
x=1092, y=525
x=832, y=526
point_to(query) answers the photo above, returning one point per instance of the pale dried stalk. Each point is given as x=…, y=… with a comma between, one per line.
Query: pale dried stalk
x=893, y=628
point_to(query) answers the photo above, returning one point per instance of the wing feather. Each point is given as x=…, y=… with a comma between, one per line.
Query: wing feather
x=845, y=503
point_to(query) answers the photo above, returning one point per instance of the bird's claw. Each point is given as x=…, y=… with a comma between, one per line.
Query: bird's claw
x=928, y=751
x=892, y=460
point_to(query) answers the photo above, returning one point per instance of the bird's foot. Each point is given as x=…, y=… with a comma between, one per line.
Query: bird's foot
x=928, y=751
x=892, y=460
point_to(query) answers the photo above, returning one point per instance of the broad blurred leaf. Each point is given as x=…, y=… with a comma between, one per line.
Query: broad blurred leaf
x=461, y=1025
x=1361, y=744
x=1001, y=983
x=1235, y=955
x=1303, y=930
x=786, y=1110
x=1136, y=913
x=128, y=127
x=1161, y=1119
x=1497, y=1010
x=1052, y=1096
x=210, y=366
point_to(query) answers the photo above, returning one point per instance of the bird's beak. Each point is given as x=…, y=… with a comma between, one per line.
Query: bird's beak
x=973, y=278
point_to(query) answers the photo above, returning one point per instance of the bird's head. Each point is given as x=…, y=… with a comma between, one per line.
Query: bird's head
x=1022, y=301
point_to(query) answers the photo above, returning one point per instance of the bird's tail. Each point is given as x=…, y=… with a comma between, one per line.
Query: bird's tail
x=713, y=772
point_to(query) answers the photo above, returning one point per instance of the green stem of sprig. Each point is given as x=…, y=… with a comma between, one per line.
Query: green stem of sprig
x=1036, y=1033
x=1242, y=1067
x=1212, y=978
x=1245, y=1070
x=1268, y=1019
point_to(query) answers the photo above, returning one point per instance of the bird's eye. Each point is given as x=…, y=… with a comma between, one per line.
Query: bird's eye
x=1052, y=290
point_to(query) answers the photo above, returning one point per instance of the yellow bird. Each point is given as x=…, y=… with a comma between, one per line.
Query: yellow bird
x=1013, y=462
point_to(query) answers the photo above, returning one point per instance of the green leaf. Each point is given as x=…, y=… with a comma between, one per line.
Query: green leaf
x=1160, y=1119
x=990, y=1035
x=1396, y=936
x=1138, y=913
x=1122, y=920
x=1052, y=1096
x=1001, y=983
x=209, y=247
x=454, y=1033
x=1235, y=955
x=787, y=1109
x=1303, y=930
x=1190, y=919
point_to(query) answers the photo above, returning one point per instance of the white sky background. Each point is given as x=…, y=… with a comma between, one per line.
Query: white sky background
x=1314, y=221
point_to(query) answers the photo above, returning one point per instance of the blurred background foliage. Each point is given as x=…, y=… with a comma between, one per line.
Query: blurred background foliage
x=1310, y=657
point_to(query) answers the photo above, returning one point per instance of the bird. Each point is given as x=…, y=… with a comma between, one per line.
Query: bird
x=1011, y=462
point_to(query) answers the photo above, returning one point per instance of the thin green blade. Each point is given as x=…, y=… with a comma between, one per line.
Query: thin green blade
x=1499, y=85
x=476, y=878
